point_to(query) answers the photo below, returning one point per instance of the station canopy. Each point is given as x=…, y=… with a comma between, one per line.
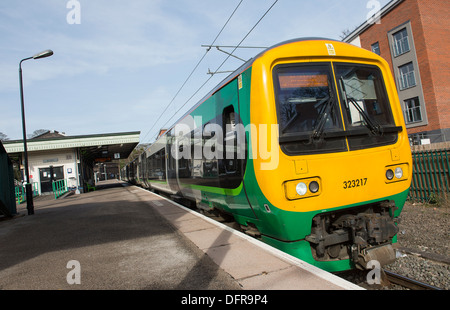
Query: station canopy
x=94, y=148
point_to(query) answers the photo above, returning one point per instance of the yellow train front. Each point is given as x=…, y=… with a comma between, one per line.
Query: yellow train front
x=314, y=160
x=330, y=162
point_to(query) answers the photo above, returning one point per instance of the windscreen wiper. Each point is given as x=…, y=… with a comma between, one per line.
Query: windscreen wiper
x=374, y=127
x=290, y=122
x=321, y=119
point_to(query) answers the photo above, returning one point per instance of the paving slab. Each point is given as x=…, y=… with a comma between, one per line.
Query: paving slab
x=254, y=264
x=125, y=237
x=118, y=239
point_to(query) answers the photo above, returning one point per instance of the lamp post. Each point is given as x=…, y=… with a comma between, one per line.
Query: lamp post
x=28, y=188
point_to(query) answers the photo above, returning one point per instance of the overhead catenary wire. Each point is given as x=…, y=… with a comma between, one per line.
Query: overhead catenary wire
x=232, y=46
x=218, y=47
x=193, y=70
x=229, y=55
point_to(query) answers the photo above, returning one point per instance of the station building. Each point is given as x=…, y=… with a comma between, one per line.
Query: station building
x=413, y=37
x=53, y=156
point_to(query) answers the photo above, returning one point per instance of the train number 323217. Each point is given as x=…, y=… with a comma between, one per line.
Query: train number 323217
x=355, y=183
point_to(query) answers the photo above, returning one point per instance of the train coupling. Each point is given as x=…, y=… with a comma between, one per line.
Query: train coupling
x=362, y=234
x=384, y=255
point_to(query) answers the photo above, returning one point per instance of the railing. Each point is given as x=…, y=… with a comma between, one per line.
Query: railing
x=430, y=181
x=21, y=195
x=59, y=188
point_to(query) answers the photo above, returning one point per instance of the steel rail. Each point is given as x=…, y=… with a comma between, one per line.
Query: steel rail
x=408, y=282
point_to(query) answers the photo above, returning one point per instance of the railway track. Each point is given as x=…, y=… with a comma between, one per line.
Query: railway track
x=393, y=278
x=412, y=284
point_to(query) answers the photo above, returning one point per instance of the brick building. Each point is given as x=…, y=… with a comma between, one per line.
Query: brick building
x=414, y=37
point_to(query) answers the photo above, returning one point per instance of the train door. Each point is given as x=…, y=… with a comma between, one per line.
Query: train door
x=172, y=165
x=238, y=138
x=229, y=167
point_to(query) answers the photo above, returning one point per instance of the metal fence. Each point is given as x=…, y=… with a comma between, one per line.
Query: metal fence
x=430, y=181
x=59, y=188
x=21, y=195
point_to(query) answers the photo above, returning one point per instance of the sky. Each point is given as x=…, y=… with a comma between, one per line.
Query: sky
x=121, y=66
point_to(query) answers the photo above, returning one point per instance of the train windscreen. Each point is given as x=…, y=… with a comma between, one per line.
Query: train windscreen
x=313, y=119
x=366, y=106
x=307, y=108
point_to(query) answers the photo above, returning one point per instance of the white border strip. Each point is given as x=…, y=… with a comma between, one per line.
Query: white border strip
x=280, y=254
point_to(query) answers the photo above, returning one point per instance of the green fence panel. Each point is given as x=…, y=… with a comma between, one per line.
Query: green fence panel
x=59, y=188
x=21, y=194
x=430, y=180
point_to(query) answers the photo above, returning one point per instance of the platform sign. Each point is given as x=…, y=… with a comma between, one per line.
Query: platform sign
x=102, y=159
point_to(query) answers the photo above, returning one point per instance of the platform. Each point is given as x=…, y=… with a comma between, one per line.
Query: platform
x=125, y=237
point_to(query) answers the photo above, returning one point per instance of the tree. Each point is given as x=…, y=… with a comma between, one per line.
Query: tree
x=345, y=33
x=3, y=137
x=37, y=132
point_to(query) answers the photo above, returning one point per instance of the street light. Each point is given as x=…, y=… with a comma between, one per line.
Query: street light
x=28, y=189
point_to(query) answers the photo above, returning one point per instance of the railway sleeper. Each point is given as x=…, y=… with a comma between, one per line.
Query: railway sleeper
x=361, y=234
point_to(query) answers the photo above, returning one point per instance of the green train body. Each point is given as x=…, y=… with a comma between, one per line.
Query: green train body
x=323, y=195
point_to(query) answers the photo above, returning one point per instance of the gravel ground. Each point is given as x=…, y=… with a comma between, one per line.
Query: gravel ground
x=424, y=228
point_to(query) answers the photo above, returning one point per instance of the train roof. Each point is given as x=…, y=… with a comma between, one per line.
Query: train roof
x=241, y=69
x=248, y=63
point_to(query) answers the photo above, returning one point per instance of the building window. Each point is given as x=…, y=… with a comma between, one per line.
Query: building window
x=413, y=113
x=407, y=78
x=401, y=43
x=376, y=48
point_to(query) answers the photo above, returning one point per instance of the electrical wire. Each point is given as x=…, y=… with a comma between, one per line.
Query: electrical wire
x=236, y=47
x=193, y=70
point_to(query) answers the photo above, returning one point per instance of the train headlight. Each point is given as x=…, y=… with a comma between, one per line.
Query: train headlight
x=398, y=173
x=389, y=174
x=314, y=187
x=301, y=188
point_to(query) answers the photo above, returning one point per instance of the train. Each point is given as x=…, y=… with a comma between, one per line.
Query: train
x=304, y=146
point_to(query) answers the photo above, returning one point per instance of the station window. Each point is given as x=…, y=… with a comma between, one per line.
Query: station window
x=407, y=77
x=401, y=43
x=412, y=110
x=376, y=48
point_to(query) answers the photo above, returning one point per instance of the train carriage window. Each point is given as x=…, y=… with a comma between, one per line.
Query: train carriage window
x=162, y=164
x=155, y=165
x=149, y=168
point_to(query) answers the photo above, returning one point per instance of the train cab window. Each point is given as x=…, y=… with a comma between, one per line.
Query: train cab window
x=366, y=109
x=313, y=119
x=307, y=109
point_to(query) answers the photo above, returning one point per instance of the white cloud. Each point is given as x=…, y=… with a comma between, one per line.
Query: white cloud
x=112, y=35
